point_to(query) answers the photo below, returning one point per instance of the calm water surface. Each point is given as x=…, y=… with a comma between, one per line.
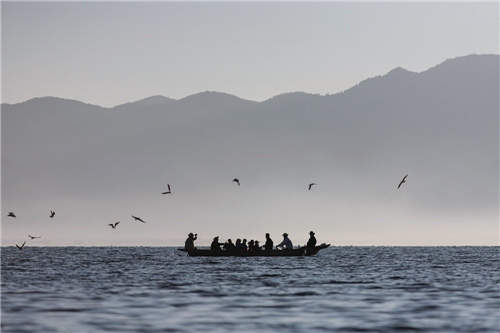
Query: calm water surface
x=343, y=289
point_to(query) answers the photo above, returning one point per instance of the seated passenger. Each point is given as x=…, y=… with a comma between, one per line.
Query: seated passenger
x=256, y=246
x=229, y=246
x=251, y=246
x=215, y=246
x=244, y=245
x=286, y=244
x=189, y=244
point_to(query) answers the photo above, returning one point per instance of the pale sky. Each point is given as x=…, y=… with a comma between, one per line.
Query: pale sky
x=111, y=53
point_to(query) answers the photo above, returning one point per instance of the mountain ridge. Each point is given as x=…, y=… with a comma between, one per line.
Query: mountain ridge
x=395, y=74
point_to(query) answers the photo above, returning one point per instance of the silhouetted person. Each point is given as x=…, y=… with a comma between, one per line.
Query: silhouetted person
x=286, y=244
x=268, y=246
x=238, y=243
x=256, y=247
x=251, y=246
x=215, y=246
x=402, y=181
x=189, y=243
x=311, y=243
x=241, y=246
x=229, y=246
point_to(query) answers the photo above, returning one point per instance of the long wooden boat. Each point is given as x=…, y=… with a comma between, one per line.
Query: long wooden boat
x=298, y=252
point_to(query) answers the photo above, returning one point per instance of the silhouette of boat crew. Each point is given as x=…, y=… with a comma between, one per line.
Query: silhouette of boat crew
x=311, y=243
x=268, y=246
x=229, y=246
x=189, y=244
x=286, y=244
x=251, y=246
x=215, y=246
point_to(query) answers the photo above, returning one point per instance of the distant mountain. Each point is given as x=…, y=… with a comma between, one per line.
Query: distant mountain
x=214, y=97
x=214, y=101
x=157, y=100
x=440, y=126
x=50, y=101
x=460, y=66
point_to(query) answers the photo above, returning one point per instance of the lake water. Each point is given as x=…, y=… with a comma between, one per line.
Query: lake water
x=159, y=289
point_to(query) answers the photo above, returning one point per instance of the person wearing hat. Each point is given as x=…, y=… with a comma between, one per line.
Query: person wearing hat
x=286, y=244
x=189, y=244
x=311, y=243
x=215, y=246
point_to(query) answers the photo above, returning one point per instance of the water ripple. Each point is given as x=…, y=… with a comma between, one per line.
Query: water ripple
x=345, y=289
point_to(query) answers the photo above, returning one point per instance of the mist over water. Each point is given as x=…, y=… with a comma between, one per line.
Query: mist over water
x=158, y=289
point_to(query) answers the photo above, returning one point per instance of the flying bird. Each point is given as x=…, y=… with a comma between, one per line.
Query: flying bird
x=21, y=247
x=113, y=225
x=311, y=185
x=52, y=214
x=169, y=190
x=11, y=214
x=138, y=219
x=237, y=181
x=402, y=181
x=34, y=237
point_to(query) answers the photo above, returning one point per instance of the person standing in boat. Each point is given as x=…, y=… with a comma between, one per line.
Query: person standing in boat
x=311, y=243
x=286, y=244
x=189, y=244
x=215, y=246
x=268, y=246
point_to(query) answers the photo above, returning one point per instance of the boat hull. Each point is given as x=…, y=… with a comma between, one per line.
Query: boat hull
x=299, y=252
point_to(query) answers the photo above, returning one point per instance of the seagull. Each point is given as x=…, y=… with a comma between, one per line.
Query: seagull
x=11, y=214
x=237, y=181
x=52, y=214
x=169, y=190
x=138, y=219
x=402, y=181
x=113, y=225
x=311, y=185
x=21, y=247
x=33, y=237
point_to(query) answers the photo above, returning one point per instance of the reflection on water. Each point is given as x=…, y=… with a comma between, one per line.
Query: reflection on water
x=130, y=289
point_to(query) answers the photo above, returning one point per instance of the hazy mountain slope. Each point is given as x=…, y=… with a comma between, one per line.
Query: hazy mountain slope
x=148, y=102
x=96, y=164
